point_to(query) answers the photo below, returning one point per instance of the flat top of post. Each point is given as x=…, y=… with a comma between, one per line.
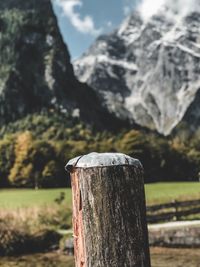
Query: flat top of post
x=101, y=160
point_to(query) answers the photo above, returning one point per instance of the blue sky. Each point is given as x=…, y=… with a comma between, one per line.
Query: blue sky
x=81, y=21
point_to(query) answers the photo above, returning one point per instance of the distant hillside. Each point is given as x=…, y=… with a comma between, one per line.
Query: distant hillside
x=35, y=68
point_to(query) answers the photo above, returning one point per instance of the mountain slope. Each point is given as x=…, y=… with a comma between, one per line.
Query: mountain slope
x=148, y=70
x=35, y=68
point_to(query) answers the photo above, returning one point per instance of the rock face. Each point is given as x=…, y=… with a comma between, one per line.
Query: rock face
x=148, y=70
x=35, y=68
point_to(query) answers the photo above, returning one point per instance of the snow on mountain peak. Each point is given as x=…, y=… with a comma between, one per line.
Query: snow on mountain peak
x=148, y=71
x=177, y=8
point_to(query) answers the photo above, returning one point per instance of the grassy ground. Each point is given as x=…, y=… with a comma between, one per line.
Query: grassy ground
x=38, y=208
x=14, y=199
x=25, y=214
x=35, y=210
x=165, y=192
x=155, y=193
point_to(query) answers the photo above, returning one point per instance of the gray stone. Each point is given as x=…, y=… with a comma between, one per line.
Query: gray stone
x=148, y=71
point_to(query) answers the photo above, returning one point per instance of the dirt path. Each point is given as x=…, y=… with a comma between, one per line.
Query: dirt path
x=52, y=259
x=161, y=257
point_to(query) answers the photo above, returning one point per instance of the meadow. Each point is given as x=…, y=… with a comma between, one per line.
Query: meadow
x=26, y=198
x=33, y=210
x=52, y=208
x=12, y=199
x=158, y=193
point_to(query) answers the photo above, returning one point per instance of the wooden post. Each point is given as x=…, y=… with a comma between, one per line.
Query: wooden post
x=109, y=212
x=175, y=204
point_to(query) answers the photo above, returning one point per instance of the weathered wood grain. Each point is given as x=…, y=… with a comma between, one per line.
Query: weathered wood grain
x=110, y=217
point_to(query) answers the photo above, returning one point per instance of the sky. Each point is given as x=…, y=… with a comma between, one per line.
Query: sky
x=82, y=21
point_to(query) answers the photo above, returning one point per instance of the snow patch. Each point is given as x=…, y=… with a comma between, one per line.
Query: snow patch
x=178, y=8
x=90, y=61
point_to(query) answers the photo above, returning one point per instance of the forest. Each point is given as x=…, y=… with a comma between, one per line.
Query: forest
x=35, y=149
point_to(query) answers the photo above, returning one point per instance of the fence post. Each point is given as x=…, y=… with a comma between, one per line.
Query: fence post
x=175, y=203
x=109, y=212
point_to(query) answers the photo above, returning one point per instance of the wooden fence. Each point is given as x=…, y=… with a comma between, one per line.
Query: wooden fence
x=174, y=211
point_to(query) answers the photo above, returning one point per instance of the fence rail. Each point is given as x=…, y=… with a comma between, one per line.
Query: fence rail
x=176, y=210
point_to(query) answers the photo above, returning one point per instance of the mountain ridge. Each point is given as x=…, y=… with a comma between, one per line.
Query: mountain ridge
x=148, y=71
x=35, y=68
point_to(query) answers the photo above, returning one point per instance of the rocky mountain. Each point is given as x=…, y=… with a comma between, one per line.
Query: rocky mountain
x=148, y=71
x=35, y=68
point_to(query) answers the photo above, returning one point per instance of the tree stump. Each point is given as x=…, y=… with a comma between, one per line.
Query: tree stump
x=109, y=211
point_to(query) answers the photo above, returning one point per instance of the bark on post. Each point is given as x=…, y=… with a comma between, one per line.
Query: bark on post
x=109, y=213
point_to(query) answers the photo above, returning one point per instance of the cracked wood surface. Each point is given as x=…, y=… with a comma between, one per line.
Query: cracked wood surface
x=109, y=217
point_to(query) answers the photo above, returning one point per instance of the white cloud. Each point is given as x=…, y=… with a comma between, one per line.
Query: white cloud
x=84, y=25
x=180, y=7
x=150, y=7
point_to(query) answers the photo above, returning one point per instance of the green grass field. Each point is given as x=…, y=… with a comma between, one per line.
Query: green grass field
x=155, y=193
x=19, y=198
x=165, y=192
x=33, y=210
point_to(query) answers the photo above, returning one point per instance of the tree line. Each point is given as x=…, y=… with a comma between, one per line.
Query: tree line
x=35, y=158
